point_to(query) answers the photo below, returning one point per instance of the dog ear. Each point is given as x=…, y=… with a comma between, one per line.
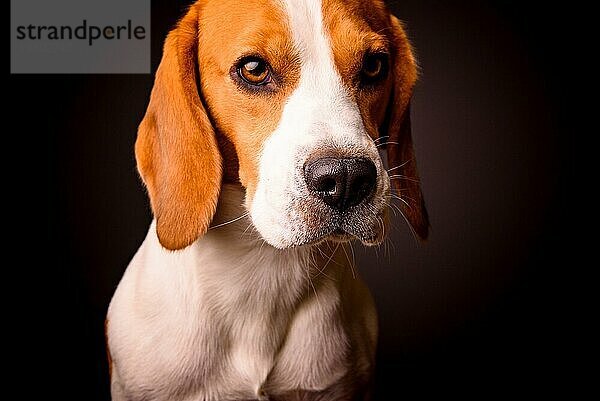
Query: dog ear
x=176, y=148
x=400, y=152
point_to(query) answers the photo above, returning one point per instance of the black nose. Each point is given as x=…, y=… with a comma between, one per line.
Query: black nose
x=341, y=183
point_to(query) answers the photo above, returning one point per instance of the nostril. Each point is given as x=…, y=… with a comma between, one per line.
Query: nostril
x=362, y=177
x=361, y=187
x=326, y=179
x=327, y=185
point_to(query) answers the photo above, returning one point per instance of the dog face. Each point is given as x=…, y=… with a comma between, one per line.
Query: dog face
x=292, y=99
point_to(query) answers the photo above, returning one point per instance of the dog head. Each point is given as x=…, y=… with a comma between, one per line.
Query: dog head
x=293, y=99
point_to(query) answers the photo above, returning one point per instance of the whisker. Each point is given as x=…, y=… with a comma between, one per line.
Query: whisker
x=322, y=270
x=383, y=246
x=392, y=207
x=394, y=168
x=396, y=208
x=403, y=201
x=386, y=143
x=403, y=177
x=328, y=245
x=310, y=283
x=332, y=253
x=313, y=287
x=321, y=251
x=380, y=248
x=230, y=221
x=401, y=165
x=397, y=190
x=247, y=228
x=382, y=225
x=402, y=198
x=412, y=230
x=377, y=251
x=389, y=245
x=353, y=259
x=348, y=259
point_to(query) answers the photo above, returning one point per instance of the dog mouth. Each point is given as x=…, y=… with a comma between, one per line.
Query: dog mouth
x=368, y=228
x=340, y=235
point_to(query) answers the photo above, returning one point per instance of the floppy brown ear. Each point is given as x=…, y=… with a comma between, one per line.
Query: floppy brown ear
x=176, y=149
x=400, y=152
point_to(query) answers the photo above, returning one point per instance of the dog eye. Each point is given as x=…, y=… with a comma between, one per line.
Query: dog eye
x=374, y=68
x=254, y=71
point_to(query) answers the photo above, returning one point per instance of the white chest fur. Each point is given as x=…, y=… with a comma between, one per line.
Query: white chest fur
x=232, y=318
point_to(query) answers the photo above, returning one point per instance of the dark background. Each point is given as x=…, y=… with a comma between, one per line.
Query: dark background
x=479, y=310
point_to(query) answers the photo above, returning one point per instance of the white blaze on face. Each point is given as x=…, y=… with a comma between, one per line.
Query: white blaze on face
x=320, y=106
x=318, y=115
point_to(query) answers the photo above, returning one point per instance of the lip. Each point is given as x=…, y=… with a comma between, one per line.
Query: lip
x=339, y=235
x=346, y=227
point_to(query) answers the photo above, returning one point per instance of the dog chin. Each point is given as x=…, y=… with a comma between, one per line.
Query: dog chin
x=317, y=224
x=368, y=237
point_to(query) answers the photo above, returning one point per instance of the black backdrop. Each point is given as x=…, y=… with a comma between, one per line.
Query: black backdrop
x=478, y=310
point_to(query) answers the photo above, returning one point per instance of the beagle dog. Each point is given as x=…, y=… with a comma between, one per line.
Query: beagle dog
x=260, y=154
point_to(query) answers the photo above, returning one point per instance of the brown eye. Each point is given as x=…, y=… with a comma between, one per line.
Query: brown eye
x=374, y=68
x=254, y=71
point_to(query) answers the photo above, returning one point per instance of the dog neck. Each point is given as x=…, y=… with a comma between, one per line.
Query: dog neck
x=237, y=308
x=245, y=271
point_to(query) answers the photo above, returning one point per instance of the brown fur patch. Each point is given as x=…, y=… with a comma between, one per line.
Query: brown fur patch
x=357, y=27
x=176, y=149
x=401, y=153
x=245, y=117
